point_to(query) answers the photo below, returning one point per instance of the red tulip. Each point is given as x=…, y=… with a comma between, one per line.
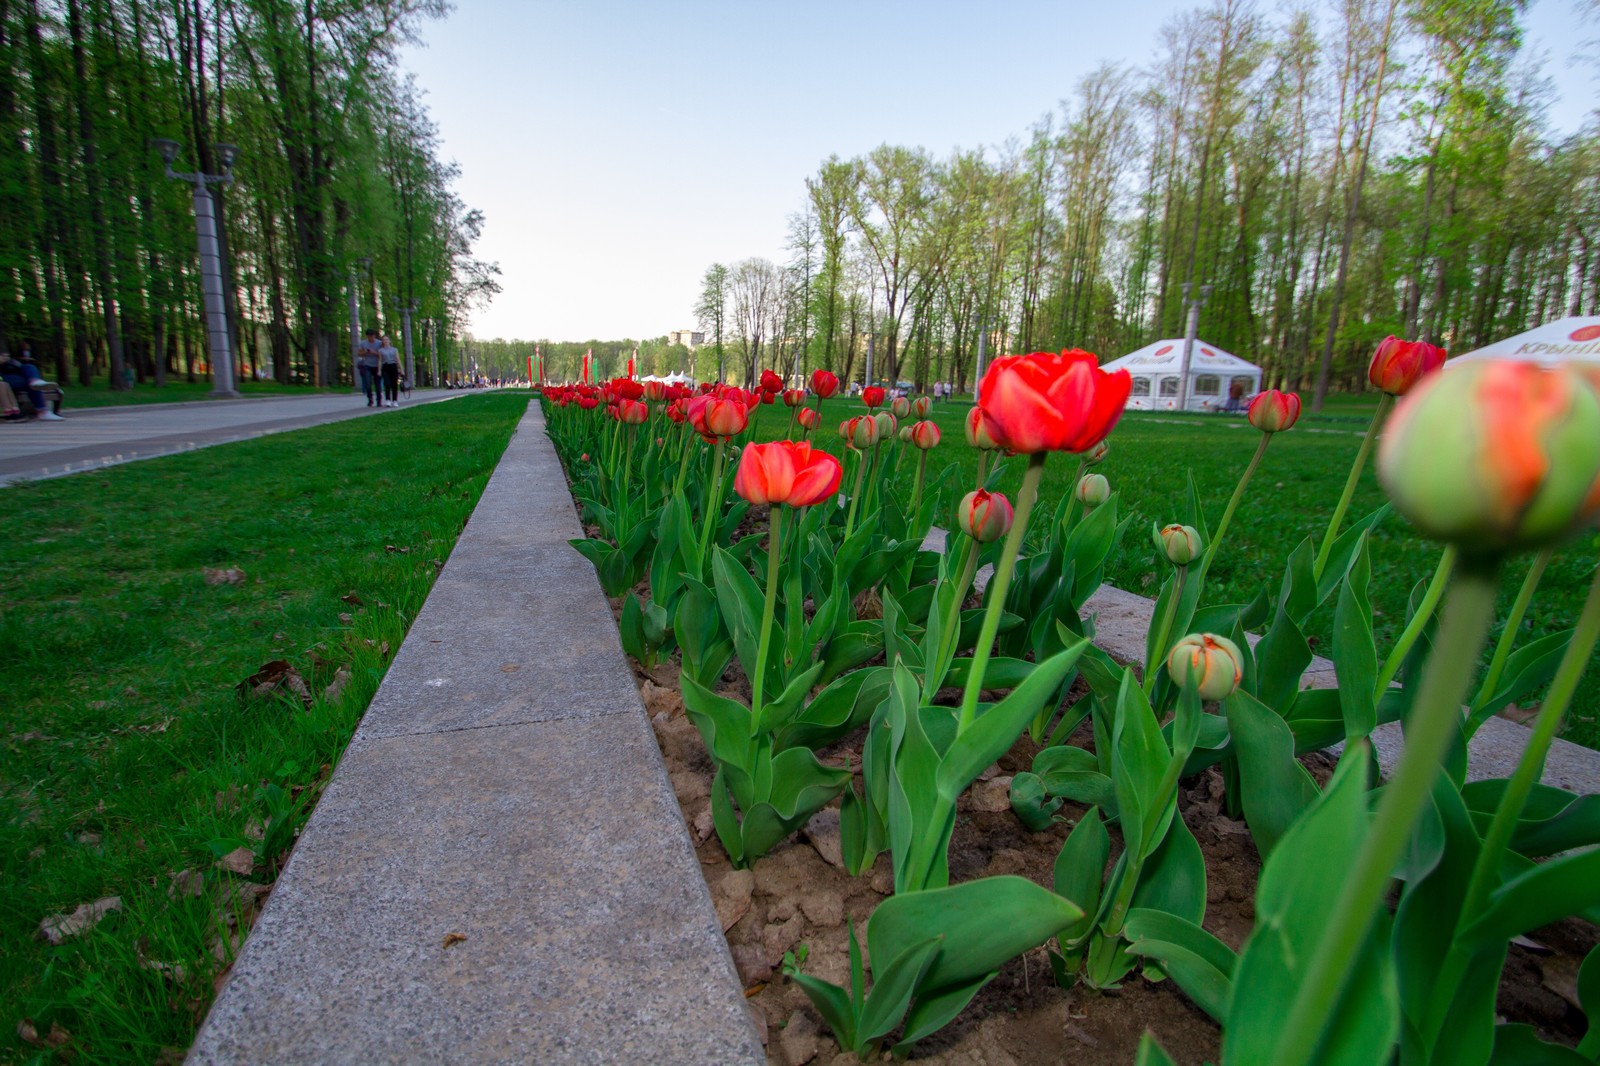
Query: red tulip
x=1397, y=365
x=771, y=382
x=794, y=397
x=626, y=389
x=632, y=412
x=920, y=405
x=588, y=403
x=707, y=388
x=1043, y=402
x=925, y=435
x=787, y=471
x=872, y=395
x=655, y=391
x=984, y=516
x=678, y=411
x=714, y=416
x=809, y=419
x=768, y=395
x=824, y=383
x=1273, y=411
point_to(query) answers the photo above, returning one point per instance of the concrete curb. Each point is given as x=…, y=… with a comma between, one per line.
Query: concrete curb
x=504, y=785
x=1122, y=619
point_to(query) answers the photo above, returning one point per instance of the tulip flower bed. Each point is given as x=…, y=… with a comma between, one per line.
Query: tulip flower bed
x=1016, y=810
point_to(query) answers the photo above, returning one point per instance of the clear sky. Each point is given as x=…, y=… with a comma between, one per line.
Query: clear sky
x=618, y=149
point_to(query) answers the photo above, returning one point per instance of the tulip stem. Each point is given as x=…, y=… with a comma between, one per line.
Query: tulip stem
x=773, y=545
x=1486, y=872
x=1508, y=635
x=983, y=466
x=1072, y=499
x=916, y=495
x=1434, y=720
x=855, y=493
x=950, y=636
x=1350, y=483
x=1233, y=503
x=683, y=470
x=1153, y=669
x=998, y=588
x=713, y=502
x=1419, y=622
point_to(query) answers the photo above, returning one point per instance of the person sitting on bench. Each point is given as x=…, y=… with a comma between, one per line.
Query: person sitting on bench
x=24, y=378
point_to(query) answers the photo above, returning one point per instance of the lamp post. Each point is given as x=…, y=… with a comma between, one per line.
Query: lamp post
x=205, y=223
x=433, y=353
x=1189, y=336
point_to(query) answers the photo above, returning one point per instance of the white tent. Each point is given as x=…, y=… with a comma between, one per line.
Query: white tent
x=677, y=377
x=1561, y=341
x=1213, y=373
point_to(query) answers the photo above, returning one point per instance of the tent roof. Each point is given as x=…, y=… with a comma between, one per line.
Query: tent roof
x=1168, y=355
x=1560, y=341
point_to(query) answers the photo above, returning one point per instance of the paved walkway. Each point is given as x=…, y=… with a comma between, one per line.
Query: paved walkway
x=103, y=436
x=498, y=870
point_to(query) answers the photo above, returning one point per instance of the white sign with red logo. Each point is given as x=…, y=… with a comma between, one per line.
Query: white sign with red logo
x=1565, y=340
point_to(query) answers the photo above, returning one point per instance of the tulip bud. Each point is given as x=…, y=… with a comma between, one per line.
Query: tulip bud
x=794, y=397
x=1181, y=544
x=1495, y=455
x=925, y=435
x=872, y=395
x=920, y=405
x=886, y=425
x=632, y=412
x=845, y=430
x=809, y=419
x=1093, y=490
x=1096, y=455
x=863, y=432
x=984, y=516
x=1397, y=365
x=1212, y=663
x=978, y=433
x=905, y=434
x=901, y=407
x=824, y=383
x=1273, y=411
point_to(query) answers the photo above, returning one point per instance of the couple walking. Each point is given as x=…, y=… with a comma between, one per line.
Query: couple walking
x=378, y=364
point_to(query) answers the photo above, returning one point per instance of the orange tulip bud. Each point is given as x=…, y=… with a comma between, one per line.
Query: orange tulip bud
x=1212, y=663
x=984, y=516
x=1273, y=411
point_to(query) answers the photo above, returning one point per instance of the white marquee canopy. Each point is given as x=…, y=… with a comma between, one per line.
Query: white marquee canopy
x=1213, y=373
x=1561, y=341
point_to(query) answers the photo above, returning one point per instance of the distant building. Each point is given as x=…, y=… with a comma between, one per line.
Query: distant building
x=689, y=338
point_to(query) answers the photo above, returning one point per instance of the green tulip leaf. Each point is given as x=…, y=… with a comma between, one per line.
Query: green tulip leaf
x=1560, y=888
x=1299, y=885
x=933, y=1011
x=1274, y=787
x=1355, y=655
x=892, y=987
x=1029, y=802
x=983, y=923
x=1080, y=869
x=1201, y=964
x=1519, y=1045
x=1152, y=1053
x=1073, y=773
x=993, y=733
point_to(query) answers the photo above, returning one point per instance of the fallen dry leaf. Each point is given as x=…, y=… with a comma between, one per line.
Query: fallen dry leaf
x=345, y=618
x=452, y=939
x=58, y=928
x=352, y=599
x=186, y=883
x=276, y=678
x=396, y=549
x=755, y=989
x=510, y=668
x=231, y=576
x=57, y=1037
x=240, y=861
x=335, y=689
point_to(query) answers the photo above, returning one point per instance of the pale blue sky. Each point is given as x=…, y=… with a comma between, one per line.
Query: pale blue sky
x=618, y=149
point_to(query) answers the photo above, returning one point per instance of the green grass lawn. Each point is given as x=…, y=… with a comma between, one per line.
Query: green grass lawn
x=1291, y=497
x=177, y=390
x=129, y=756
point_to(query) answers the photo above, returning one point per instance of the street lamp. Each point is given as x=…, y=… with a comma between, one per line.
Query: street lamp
x=205, y=225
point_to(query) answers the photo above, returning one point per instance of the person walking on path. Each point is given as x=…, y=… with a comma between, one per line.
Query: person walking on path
x=367, y=367
x=390, y=363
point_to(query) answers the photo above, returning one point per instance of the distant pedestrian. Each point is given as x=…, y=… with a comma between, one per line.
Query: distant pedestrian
x=367, y=367
x=23, y=376
x=389, y=363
